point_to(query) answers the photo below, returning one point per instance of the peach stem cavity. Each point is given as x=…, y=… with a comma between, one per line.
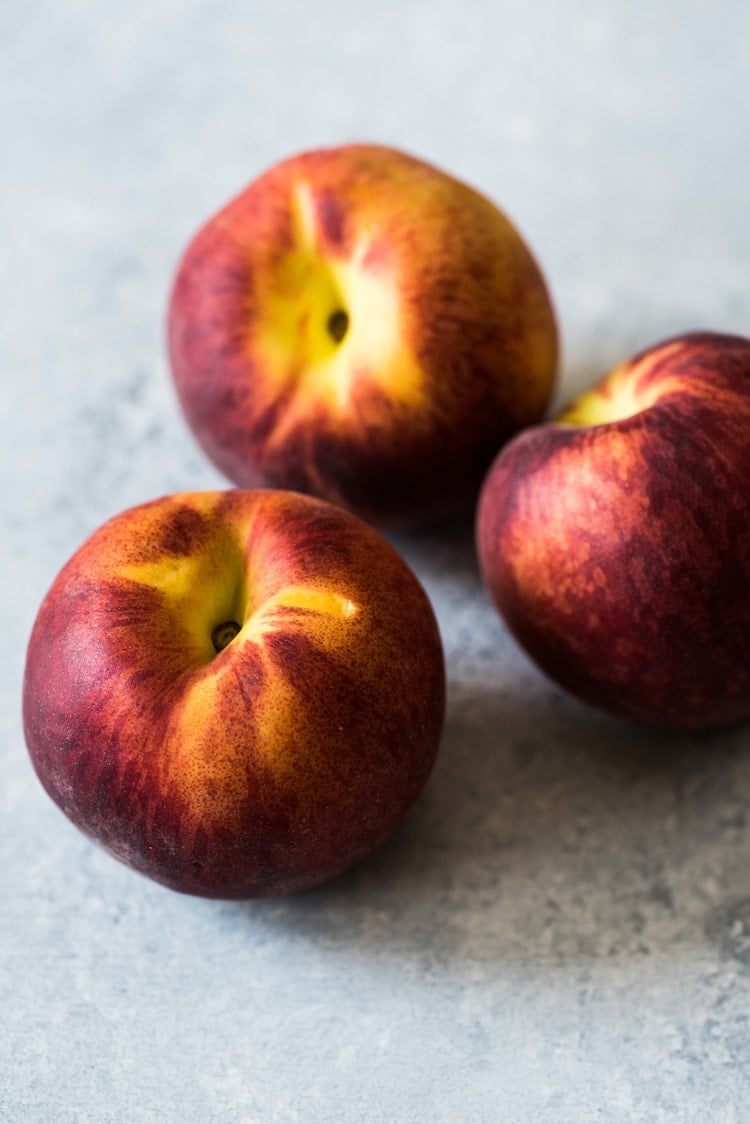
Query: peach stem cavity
x=223, y=635
x=338, y=324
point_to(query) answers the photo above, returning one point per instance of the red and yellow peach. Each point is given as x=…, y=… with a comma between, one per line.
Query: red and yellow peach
x=236, y=693
x=616, y=541
x=360, y=325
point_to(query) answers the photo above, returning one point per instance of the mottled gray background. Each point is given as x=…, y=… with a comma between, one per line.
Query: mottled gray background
x=560, y=931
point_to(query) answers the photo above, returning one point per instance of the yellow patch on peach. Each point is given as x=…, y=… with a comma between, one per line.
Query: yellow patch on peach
x=202, y=590
x=621, y=394
x=275, y=613
x=203, y=768
x=208, y=760
x=331, y=319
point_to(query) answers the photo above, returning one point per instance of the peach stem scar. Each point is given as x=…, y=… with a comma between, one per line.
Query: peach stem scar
x=224, y=634
x=338, y=324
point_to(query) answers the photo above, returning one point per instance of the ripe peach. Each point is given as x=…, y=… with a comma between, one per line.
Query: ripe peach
x=360, y=325
x=237, y=693
x=616, y=541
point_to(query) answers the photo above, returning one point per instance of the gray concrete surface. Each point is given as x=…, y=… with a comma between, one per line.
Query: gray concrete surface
x=560, y=931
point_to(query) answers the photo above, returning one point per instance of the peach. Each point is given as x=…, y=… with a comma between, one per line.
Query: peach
x=361, y=326
x=616, y=541
x=237, y=693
